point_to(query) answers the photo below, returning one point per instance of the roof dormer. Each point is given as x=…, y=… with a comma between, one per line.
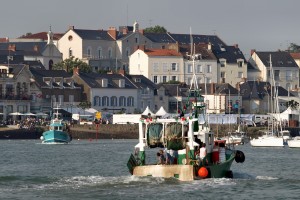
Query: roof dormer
x=104, y=82
x=121, y=83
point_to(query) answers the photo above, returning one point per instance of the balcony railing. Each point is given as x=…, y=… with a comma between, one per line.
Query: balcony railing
x=15, y=97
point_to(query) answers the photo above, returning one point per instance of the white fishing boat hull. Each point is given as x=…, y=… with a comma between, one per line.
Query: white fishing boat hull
x=294, y=143
x=267, y=141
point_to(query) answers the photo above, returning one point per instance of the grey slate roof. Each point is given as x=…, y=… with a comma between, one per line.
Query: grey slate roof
x=93, y=80
x=40, y=74
x=278, y=58
x=231, y=54
x=93, y=34
x=18, y=57
x=145, y=82
x=25, y=46
x=197, y=39
x=184, y=39
x=258, y=90
x=159, y=37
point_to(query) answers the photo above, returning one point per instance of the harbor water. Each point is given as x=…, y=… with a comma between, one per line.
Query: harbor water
x=96, y=169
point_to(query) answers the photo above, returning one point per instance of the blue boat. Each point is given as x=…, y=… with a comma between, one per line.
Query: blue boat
x=57, y=133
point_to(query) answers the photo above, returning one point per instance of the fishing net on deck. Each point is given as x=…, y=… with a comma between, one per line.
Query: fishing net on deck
x=173, y=136
x=154, y=135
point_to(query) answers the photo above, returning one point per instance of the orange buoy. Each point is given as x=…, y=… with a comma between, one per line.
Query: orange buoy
x=203, y=172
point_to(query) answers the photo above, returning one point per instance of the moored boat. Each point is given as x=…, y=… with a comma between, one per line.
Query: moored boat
x=294, y=143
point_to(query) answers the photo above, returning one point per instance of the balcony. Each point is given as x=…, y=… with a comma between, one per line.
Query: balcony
x=15, y=97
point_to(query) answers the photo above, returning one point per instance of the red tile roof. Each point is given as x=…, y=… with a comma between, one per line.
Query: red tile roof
x=295, y=55
x=43, y=36
x=162, y=52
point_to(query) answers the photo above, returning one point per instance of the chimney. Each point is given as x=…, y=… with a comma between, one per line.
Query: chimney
x=75, y=71
x=209, y=46
x=12, y=47
x=71, y=27
x=122, y=72
x=124, y=30
x=36, y=48
x=112, y=31
x=141, y=47
x=236, y=46
x=252, y=51
x=141, y=31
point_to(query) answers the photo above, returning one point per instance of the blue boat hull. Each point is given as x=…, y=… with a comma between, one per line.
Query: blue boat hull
x=53, y=136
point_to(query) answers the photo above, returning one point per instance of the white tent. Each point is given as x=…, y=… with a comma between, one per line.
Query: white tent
x=288, y=114
x=16, y=113
x=29, y=114
x=147, y=111
x=161, y=112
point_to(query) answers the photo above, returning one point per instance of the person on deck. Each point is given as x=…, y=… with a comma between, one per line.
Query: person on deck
x=161, y=158
x=202, y=153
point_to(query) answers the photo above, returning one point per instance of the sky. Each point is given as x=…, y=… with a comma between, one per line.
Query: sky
x=263, y=25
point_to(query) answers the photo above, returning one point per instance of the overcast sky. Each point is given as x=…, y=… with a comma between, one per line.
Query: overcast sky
x=264, y=25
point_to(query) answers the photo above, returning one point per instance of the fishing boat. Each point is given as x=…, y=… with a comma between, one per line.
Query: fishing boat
x=181, y=137
x=294, y=143
x=57, y=133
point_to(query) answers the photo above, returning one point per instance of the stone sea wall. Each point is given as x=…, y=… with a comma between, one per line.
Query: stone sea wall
x=120, y=131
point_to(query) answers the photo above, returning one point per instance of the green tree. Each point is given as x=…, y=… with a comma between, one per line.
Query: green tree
x=155, y=29
x=294, y=105
x=85, y=105
x=69, y=64
x=294, y=48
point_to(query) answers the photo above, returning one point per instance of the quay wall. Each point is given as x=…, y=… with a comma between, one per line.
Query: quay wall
x=120, y=131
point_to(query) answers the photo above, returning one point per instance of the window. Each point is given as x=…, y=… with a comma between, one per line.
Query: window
x=174, y=78
x=89, y=52
x=240, y=75
x=190, y=68
x=154, y=79
x=289, y=75
x=113, y=101
x=70, y=52
x=208, y=80
x=130, y=101
x=165, y=67
x=277, y=75
x=155, y=67
x=71, y=99
x=99, y=52
x=199, y=69
x=61, y=99
x=105, y=101
x=174, y=67
x=127, y=51
x=110, y=53
x=122, y=101
x=96, y=101
x=223, y=75
x=208, y=68
x=240, y=63
x=223, y=63
x=136, y=40
x=164, y=79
